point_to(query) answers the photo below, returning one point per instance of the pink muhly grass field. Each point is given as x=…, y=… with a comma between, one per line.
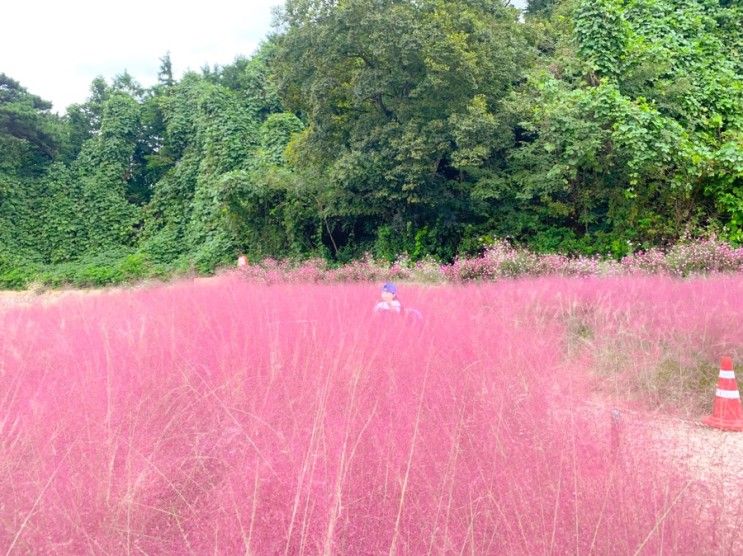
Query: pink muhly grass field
x=231, y=417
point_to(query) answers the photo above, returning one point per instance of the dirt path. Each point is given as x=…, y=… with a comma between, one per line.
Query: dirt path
x=710, y=461
x=707, y=454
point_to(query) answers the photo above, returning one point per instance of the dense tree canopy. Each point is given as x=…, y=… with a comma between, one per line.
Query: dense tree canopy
x=425, y=127
x=398, y=98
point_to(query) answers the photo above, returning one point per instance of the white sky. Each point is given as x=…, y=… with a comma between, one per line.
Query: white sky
x=55, y=48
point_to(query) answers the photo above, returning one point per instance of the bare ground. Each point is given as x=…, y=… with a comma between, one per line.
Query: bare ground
x=709, y=460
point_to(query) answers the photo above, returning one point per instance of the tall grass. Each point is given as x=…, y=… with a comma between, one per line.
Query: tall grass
x=233, y=417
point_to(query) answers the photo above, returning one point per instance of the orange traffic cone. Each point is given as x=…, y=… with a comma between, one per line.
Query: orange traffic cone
x=727, y=413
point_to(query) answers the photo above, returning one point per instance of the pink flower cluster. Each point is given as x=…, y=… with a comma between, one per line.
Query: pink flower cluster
x=502, y=260
x=683, y=259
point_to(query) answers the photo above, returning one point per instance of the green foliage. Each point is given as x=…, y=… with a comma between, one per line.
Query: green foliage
x=29, y=134
x=725, y=183
x=103, y=170
x=602, y=35
x=540, y=7
x=165, y=74
x=275, y=134
x=251, y=78
x=399, y=97
x=16, y=272
x=115, y=267
x=627, y=129
x=16, y=278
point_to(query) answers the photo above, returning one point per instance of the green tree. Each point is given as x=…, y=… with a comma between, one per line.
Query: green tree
x=385, y=88
x=624, y=127
x=253, y=80
x=165, y=73
x=540, y=7
x=28, y=132
x=104, y=169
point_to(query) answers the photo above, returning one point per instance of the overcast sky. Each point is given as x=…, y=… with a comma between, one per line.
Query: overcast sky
x=56, y=48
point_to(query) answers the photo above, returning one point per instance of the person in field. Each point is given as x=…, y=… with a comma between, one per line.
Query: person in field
x=389, y=300
x=390, y=304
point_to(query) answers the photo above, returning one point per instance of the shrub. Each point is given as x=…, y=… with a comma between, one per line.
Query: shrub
x=16, y=278
x=499, y=261
x=135, y=266
x=98, y=275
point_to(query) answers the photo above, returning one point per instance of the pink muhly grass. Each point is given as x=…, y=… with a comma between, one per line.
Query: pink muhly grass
x=238, y=417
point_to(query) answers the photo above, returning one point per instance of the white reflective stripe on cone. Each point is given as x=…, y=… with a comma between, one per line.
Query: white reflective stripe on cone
x=727, y=374
x=728, y=394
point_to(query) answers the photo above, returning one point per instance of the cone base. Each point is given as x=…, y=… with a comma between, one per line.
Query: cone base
x=724, y=424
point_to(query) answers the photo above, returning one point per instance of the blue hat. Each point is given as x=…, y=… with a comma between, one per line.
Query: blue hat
x=390, y=288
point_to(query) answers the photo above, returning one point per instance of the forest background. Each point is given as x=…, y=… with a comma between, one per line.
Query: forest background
x=427, y=129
